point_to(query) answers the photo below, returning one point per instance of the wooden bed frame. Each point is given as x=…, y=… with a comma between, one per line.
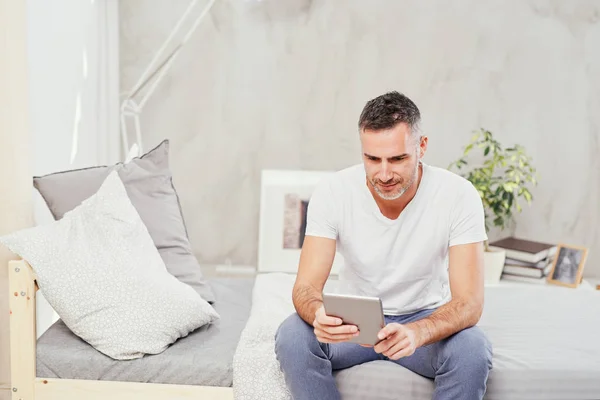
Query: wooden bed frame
x=25, y=385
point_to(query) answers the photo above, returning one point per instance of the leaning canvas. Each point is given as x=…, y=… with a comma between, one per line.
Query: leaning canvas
x=284, y=199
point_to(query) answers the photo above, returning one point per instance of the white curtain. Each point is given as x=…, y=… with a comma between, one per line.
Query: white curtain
x=74, y=101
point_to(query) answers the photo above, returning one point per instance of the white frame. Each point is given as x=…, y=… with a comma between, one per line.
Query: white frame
x=25, y=385
x=272, y=257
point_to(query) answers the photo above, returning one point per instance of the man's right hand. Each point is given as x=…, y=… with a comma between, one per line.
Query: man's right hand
x=330, y=329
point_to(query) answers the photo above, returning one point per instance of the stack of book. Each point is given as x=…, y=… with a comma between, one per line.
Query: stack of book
x=526, y=260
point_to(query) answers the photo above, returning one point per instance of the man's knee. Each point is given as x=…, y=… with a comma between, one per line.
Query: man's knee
x=292, y=337
x=470, y=350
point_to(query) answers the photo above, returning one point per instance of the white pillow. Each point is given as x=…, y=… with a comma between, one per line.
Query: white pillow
x=99, y=269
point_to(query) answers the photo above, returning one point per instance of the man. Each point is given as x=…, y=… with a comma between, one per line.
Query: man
x=411, y=234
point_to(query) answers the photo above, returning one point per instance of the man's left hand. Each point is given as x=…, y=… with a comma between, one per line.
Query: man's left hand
x=399, y=341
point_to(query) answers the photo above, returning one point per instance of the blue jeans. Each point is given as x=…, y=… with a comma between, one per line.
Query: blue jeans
x=459, y=364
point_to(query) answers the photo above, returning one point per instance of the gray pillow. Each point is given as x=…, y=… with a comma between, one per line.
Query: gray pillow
x=149, y=186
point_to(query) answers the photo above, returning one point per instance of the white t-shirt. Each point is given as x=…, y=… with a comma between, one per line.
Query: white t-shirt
x=404, y=261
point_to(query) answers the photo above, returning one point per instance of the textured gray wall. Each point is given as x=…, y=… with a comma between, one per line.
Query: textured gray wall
x=272, y=84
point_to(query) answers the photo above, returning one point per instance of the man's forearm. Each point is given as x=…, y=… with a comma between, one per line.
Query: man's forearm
x=454, y=316
x=307, y=301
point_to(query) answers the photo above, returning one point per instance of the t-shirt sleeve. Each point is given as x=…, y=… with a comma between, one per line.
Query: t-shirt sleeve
x=467, y=221
x=321, y=217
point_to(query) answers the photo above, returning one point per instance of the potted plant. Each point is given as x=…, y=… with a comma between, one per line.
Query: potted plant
x=502, y=176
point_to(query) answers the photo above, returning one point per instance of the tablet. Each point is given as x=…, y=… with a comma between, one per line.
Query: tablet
x=364, y=312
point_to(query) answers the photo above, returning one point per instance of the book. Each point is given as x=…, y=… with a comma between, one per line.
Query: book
x=533, y=272
x=525, y=250
x=540, y=264
x=526, y=279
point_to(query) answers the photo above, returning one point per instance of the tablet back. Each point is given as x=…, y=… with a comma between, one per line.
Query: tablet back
x=364, y=312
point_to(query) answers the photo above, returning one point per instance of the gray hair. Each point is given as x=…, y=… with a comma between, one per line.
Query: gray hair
x=388, y=110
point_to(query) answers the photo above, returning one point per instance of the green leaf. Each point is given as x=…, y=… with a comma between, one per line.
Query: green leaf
x=501, y=178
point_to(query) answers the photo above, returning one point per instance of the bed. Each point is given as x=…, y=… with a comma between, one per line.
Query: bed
x=541, y=350
x=546, y=346
x=198, y=366
x=202, y=358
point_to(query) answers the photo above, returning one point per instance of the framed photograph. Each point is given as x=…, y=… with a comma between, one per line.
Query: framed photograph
x=568, y=264
x=284, y=199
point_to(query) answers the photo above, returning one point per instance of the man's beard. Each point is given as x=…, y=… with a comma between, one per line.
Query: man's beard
x=401, y=190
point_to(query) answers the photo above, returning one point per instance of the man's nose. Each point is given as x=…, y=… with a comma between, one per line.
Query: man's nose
x=386, y=172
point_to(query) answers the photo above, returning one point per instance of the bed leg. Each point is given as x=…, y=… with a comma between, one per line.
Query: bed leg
x=23, y=336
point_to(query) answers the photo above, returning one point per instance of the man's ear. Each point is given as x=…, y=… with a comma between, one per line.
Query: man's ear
x=422, y=146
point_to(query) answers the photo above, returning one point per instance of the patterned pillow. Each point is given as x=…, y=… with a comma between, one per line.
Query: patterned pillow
x=149, y=185
x=99, y=269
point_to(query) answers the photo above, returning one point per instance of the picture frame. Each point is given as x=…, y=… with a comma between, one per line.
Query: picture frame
x=284, y=199
x=567, y=266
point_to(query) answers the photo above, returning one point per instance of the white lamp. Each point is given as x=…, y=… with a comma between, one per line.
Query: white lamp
x=134, y=101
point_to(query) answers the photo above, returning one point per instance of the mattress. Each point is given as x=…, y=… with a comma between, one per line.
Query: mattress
x=204, y=357
x=546, y=346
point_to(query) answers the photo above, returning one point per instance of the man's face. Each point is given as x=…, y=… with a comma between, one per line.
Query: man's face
x=391, y=158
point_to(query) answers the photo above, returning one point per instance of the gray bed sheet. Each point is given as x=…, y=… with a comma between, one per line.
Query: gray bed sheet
x=204, y=357
x=546, y=346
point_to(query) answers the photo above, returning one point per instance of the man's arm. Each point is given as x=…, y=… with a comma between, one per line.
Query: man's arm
x=465, y=308
x=316, y=260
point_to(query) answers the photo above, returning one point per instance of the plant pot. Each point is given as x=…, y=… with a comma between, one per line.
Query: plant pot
x=493, y=263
